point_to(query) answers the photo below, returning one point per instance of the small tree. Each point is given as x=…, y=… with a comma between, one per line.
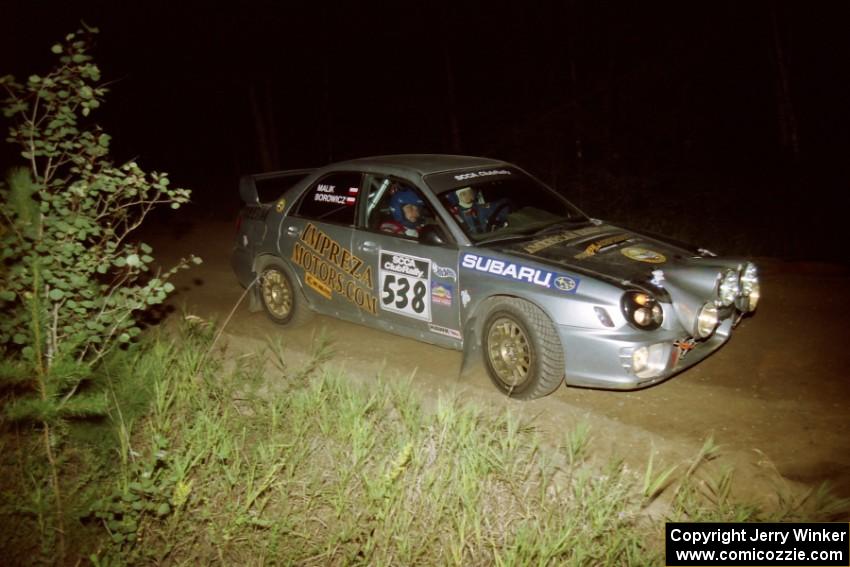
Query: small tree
x=72, y=282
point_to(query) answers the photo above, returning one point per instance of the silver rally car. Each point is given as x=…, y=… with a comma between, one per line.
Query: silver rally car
x=475, y=254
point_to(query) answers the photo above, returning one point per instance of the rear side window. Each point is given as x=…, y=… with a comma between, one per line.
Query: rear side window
x=332, y=199
x=269, y=190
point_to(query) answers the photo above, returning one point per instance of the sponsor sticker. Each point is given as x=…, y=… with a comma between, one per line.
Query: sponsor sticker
x=643, y=255
x=565, y=236
x=684, y=346
x=444, y=273
x=465, y=298
x=405, y=284
x=484, y=173
x=440, y=330
x=329, y=268
x=321, y=288
x=657, y=278
x=509, y=270
x=441, y=293
x=600, y=245
x=566, y=284
x=544, y=243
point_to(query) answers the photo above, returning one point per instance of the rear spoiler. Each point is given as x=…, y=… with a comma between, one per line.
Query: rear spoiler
x=281, y=181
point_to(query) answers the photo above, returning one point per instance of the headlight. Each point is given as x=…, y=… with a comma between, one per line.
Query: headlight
x=729, y=288
x=706, y=320
x=750, y=288
x=642, y=310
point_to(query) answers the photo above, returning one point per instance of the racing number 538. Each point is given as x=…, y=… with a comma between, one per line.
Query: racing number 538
x=396, y=290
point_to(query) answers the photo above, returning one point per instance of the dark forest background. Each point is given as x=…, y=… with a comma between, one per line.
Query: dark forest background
x=722, y=123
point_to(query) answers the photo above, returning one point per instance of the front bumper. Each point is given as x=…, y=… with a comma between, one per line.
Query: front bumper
x=603, y=359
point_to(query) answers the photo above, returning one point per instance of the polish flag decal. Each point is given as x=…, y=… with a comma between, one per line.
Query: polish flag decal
x=352, y=195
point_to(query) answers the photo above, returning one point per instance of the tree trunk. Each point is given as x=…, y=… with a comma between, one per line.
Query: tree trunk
x=789, y=139
x=264, y=127
x=327, y=114
x=454, y=125
x=578, y=148
x=451, y=101
x=327, y=108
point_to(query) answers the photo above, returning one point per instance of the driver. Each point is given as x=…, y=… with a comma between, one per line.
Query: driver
x=475, y=213
x=406, y=208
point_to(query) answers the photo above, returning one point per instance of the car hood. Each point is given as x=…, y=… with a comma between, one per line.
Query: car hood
x=603, y=250
x=626, y=258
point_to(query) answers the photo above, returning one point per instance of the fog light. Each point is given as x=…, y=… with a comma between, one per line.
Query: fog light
x=706, y=320
x=649, y=361
x=754, y=296
x=639, y=359
x=729, y=288
x=750, y=289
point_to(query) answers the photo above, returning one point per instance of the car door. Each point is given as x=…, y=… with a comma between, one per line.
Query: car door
x=316, y=241
x=417, y=282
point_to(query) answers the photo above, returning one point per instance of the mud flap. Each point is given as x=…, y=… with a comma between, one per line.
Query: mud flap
x=472, y=362
x=254, y=304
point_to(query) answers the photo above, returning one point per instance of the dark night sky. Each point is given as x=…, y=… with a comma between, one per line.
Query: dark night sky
x=666, y=98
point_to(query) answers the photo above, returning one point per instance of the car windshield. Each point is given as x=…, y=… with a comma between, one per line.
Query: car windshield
x=499, y=204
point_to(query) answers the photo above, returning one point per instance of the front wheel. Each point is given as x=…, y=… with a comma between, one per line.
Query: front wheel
x=522, y=351
x=281, y=300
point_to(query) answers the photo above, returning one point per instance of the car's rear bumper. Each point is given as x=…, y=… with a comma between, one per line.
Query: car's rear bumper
x=603, y=359
x=242, y=262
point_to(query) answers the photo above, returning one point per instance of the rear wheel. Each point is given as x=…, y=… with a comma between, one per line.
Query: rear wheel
x=522, y=351
x=281, y=300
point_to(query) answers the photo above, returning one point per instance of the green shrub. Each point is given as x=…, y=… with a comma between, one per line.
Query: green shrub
x=73, y=282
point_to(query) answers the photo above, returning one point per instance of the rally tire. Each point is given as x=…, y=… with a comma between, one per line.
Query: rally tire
x=522, y=351
x=281, y=300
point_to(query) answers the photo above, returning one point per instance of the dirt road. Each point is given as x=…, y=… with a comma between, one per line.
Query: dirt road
x=775, y=397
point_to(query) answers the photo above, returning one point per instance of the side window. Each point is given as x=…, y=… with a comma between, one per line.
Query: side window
x=332, y=199
x=270, y=189
x=396, y=207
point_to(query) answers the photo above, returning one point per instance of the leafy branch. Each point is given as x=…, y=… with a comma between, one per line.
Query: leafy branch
x=73, y=281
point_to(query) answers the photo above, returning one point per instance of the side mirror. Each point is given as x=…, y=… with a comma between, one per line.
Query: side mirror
x=432, y=234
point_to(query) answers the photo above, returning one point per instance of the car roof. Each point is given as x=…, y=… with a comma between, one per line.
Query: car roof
x=419, y=164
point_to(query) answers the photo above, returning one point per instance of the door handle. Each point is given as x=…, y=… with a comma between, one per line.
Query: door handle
x=369, y=246
x=292, y=231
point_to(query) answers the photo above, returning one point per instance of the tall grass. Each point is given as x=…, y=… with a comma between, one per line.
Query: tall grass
x=269, y=462
x=318, y=470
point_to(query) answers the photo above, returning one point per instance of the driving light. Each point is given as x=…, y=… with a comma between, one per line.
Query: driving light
x=706, y=320
x=642, y=310
x=650, y=361
x=750, y=288
x=729, y=288
x=639, y=359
